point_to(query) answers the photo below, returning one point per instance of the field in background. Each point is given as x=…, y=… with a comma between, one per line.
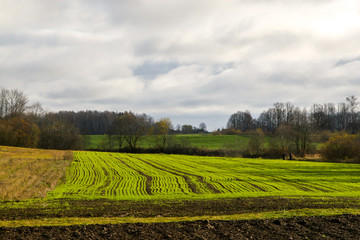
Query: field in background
x=30, y=173
x=206, y=141
x=119, y=176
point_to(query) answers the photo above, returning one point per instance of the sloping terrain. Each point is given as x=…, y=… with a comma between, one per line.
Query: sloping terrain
x=158, y=196
x=30, y=173
x=120, y=176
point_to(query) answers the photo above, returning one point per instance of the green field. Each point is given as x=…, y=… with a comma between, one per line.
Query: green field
x=118, y=176
x=206, y=141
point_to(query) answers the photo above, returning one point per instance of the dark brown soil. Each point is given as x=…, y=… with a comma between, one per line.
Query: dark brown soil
x=334, y=227
x=170, y=208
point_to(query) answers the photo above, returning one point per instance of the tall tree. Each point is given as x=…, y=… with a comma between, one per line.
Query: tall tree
x=240, y=121
x=134, y=127
x=161, y=132
x=12, y=103
x=187, y=129
x=302, y=131
x=202, y=127
x=353, y=104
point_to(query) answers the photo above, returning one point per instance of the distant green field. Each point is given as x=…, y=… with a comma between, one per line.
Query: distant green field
x=207, y=141
x=121, y=176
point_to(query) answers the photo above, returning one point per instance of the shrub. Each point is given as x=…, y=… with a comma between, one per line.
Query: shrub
x=256, y=144
x=231, y=131
x=342, y=146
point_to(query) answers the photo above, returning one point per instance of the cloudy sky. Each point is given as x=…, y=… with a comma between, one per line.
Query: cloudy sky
x=193, y=61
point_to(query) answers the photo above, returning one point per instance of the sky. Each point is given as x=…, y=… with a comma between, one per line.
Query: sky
x=192, y=61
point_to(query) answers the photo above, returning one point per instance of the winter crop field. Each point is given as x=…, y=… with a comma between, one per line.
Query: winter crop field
x=118, y=176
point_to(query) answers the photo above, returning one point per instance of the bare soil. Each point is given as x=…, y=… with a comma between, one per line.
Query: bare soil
x=333, y=227
x=170, y=208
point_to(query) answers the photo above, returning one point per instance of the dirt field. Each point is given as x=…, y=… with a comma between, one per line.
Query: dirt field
x=331, y=227
x=334, y=227
x=171, y=208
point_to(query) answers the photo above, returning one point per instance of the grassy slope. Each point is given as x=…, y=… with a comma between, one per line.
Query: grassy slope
x=157, y=176
x=207, y=141
x=30, y=173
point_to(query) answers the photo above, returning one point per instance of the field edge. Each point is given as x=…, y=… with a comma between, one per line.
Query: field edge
x=69, y=221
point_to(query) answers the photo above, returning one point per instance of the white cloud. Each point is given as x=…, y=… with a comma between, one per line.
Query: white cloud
x=180, y=58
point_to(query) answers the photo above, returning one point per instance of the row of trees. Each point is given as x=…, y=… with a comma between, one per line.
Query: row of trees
x=99, y=123
x=328, y=116
x=89, y=122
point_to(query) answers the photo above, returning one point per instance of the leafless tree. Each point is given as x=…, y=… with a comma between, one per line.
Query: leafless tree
x=256, y=142
x=134, y=127
x=202, y=127
x=240, y=121
x=12, y=103
x=353, y=104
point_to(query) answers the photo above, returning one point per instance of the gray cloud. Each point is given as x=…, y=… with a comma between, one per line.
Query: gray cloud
x=189, y=60
x=346, y=61
x=150, y=70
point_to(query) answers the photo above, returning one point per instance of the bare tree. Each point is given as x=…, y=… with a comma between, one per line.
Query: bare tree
x=283, y=139
x=12, y=103
x=302, y=131
x=240, y=121
x=202, y=127
x=280, y=113
x=342, y=113
x=4, y=104
x=256, y=142
x=353, y=104
x=134, y=127
x=17, y=102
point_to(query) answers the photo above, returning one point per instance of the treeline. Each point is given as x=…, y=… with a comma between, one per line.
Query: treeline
x=99, y=123
x=295, y=129
x=89, y=122
x=24, y=125
x=328, y=116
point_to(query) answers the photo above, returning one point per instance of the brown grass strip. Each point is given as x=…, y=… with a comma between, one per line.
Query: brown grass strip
x=30, y=173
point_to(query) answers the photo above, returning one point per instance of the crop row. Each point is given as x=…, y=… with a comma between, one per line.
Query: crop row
x=136, y=176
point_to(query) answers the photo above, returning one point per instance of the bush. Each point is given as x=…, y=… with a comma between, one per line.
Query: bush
x=231, y=131
x=324, y=136
x=342, y=146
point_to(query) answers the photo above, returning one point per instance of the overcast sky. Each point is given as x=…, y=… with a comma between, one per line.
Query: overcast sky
x=193, y=61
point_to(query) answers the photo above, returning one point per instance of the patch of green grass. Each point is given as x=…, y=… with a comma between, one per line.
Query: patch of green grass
x=119, y=176
x=206, y=141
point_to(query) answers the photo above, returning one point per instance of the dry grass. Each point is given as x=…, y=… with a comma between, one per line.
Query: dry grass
x=30, y=173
